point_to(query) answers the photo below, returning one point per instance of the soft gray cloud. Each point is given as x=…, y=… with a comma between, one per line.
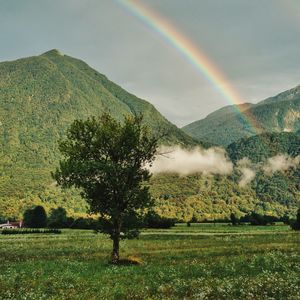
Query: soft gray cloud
x=248, y=173
x=255, y=43
x=197, y=160
x=280, y=163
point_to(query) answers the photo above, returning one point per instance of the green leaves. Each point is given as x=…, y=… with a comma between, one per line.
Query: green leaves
x=107, y=160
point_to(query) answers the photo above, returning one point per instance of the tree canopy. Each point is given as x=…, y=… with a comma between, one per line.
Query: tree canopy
x=107, y=160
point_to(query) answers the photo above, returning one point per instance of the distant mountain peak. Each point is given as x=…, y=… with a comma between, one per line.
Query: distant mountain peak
x=53, y=52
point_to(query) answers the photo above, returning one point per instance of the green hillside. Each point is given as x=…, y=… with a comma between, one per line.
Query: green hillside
x=276, y=114
x=39, y=98
x=210, y=197
x=281, y=187
x=260, y=147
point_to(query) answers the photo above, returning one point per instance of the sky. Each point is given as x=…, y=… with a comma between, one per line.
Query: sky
x=254, y=44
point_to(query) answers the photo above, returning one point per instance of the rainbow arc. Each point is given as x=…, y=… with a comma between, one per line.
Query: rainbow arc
x=192, y=53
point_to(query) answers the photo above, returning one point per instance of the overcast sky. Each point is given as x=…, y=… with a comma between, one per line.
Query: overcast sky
x=255, y=43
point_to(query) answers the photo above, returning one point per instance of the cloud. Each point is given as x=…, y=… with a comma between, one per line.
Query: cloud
x=280, y=163
x=215, y=161
x=244, y=165
x=197, y=160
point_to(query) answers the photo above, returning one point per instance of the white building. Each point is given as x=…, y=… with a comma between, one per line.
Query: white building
x=11, y=225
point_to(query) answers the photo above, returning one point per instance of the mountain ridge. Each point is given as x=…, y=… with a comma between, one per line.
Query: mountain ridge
x=274, y=114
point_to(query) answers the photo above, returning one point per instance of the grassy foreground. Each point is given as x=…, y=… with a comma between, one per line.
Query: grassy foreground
x=197, y=262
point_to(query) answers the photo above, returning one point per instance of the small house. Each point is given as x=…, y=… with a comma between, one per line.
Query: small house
x=11, y=225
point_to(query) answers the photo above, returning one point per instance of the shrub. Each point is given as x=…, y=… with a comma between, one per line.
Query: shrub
x=295, y=225
x=35, y=217
x=58, y=218
x=257, y=219
x=84, y=223
x=153, y=220
x=233, y=219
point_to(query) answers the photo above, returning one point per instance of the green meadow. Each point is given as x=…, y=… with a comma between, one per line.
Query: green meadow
x=203, y=261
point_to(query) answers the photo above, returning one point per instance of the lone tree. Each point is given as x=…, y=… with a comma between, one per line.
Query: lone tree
x=35, y=217
x=107, y=160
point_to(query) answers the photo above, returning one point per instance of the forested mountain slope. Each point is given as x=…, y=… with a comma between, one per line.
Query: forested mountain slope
x=39, y=98
x=275, y=114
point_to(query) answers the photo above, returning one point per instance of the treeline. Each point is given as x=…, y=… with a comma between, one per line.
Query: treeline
x=37, y=217
x=258, y=219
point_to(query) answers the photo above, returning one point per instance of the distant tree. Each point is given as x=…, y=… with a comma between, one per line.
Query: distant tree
x=84, y=223
x=296, y=224
x=233, y=219
x=286, y=219
x=153, y=220
x=58, y=218
x=35, y=217
x=107, y=160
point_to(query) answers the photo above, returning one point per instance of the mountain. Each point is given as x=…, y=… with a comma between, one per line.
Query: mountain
x=275, y=114
x=40, y=96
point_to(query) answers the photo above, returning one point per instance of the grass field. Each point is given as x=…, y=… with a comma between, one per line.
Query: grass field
x=198, y=262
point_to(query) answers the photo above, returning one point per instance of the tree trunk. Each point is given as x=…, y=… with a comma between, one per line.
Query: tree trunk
x=115, y=253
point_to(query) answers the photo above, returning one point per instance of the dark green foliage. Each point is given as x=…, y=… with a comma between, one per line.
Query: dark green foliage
x=30, y=231
x=233, y=219
x=35, y=217
x=258, y=219
x=107, y=161
x=58, y=218
x=259, y=148
x=228, y=124
x=295, y=225
x=84, y=223
x=153, y=220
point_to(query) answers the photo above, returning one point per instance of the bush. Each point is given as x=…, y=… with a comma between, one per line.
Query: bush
x=153, y=220
x=295, y=225
x=257, y=219
x=35, y=217
x=58, y=218
x=84, y=223
x=233, y=219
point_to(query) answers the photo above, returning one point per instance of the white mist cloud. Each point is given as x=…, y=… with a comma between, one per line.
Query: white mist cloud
x=281, y=162
x=248, y=174
x=215, y=161
x=197, y=160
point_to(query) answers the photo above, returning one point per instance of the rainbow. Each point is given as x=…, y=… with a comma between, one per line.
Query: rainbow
x=197, y=58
